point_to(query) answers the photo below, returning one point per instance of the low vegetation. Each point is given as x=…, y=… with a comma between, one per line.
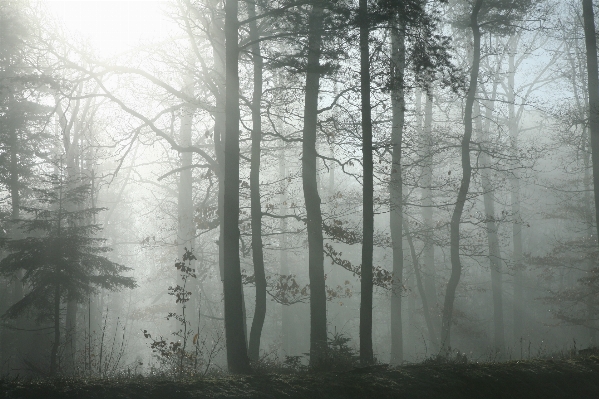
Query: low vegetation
x=563, y=376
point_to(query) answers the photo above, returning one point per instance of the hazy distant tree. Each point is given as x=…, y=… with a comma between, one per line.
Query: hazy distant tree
x=23, y=116
x=62, y=257
x=497, y=16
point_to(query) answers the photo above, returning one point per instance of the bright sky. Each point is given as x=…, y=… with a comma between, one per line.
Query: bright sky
x=112, y=26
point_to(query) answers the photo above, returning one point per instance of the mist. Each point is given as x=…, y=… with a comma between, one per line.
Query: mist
x=201, y=187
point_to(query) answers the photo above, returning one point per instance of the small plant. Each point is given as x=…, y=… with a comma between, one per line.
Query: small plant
x=175, y=357
x=450, y=357
x=340, y=355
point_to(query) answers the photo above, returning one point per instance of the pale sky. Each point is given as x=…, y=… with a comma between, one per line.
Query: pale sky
x=112, y=26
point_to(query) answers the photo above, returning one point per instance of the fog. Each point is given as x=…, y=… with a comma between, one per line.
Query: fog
x=193, y=187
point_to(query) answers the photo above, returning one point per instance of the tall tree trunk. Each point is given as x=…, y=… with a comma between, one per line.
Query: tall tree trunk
x=590, y=312
x=428, y=252
x=398, y=63
x=15, y=343
x=517, y=257
x=491, y=225
x=218, y=54
x=286, y=319
x=237, y=358
x=456, y=265
x=593, y=86
x=318, y=304
x=366, y=355
x=256, y=210
x=593, y=89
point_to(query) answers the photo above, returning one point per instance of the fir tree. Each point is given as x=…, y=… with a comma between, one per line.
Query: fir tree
x=61, y=256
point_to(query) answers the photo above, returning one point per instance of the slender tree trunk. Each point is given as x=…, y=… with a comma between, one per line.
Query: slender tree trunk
x=56, y=343
x=15, y=343
x=589, y=221
x=593, y=90
x=256, y=210
x=366, y=355
x=491, y=225
x=218, y=54
x=398, y=63
x=237, y=358
x=430, y=325
x=318, y=304
x=517, y=257
x=286, y=319
x=428, y=253
x=593, y=86
x=456, y=265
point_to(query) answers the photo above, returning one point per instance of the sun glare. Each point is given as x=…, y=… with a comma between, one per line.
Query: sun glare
x=112, y=27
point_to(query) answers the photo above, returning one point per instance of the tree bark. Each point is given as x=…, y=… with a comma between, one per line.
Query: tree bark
x=318, y=304
x=517, y=256
x=366, y=354
x=237, y=357
x=286, y=318
x=398, y=63
x=593, y=88
x=256, y=210
x=56, y=343
x=491, y=226
x=428, y=252
x=456, y=265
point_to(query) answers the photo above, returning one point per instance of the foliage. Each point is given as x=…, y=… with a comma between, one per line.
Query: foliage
x=175, y=357
x=547, y=379
x=61, y=251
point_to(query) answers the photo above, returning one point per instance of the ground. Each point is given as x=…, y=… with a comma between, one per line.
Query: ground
x=547, y=378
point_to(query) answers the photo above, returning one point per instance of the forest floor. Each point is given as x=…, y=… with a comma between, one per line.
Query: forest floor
x=577, y=377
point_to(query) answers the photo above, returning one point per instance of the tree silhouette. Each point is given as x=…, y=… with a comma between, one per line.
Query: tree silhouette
x=61, y=255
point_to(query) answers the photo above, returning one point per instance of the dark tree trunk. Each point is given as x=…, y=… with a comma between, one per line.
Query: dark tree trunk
x=593, y=86
x=56, y=343
x=318, y=300
x=256, y=210
x=366, y=355
x=237, y=357
x=456, y=265
x=398, y=63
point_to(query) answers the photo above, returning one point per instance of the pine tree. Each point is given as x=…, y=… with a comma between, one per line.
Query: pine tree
x=61, y=256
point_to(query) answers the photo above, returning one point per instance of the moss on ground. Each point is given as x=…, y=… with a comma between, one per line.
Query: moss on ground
x=573, y=378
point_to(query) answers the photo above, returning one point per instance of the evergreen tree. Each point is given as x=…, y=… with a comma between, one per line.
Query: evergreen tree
x=61, y=256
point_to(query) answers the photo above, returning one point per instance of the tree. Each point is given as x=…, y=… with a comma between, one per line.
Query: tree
x=256, y=208
x=23, y=115
x=62, y=257
x=593, y=87
x=366, y=354
x=495, y=16
x=237, y=357
x=318, y=304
